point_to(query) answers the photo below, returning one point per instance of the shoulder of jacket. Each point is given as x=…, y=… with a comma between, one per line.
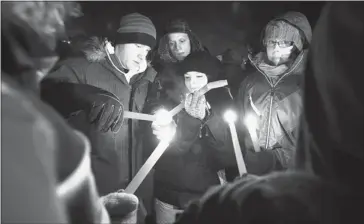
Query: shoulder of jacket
x=150, y=74
x=79, y=62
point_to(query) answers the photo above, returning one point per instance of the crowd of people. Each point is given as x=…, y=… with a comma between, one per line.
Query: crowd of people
x=69, y=152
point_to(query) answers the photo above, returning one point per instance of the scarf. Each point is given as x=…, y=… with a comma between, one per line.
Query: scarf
x=272, y=70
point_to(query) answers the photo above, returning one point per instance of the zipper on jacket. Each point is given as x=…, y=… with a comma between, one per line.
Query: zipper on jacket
x=272, y=95
x=269, y=118
x=200, y=132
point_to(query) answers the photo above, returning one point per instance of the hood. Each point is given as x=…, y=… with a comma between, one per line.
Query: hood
x=94, y=49
x=164, y=54
x=299, y=21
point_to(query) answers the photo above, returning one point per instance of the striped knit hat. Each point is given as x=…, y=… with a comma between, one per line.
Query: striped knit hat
x=136, y=28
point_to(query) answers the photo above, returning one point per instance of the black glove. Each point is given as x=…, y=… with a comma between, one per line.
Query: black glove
x=104, y=108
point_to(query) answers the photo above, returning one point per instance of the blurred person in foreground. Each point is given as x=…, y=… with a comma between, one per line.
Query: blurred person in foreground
x=287, y=197
x=332, y=126
x=41, y=154
x=272, y=94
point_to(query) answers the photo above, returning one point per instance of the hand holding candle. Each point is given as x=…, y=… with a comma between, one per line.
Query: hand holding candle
x=165, y=129
x=230, y=116
x=163, y=126
x=202, y=91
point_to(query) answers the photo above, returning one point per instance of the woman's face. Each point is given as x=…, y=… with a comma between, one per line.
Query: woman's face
x=179, y=44
x=279, y=51
x=194, y=81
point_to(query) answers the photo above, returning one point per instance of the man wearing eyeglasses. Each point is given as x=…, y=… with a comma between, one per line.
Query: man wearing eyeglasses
x=272, y=94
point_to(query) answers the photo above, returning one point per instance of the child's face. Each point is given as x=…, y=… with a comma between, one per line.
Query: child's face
x=194, y=81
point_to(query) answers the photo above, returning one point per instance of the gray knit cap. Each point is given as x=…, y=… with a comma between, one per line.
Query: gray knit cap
x=281, y=30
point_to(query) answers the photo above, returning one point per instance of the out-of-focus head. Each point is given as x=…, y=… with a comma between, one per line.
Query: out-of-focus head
x=29, y=33
x=135, y=37
x=178, y=42
x=286, y=35
x=286, y=197
x=198, y=69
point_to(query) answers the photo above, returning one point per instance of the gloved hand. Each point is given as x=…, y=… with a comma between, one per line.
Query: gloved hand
x=104, y=109
x=195, y=105
x=106, y=112
x=122, y=207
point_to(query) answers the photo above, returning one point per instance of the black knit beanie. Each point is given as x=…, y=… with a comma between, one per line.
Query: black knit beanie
x=201, y=62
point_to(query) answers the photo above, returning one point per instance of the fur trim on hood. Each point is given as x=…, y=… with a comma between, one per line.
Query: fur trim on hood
x=94, y=49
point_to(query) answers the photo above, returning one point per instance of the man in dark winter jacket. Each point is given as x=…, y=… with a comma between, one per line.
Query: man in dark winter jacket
x=271, y=95
x=125, y=74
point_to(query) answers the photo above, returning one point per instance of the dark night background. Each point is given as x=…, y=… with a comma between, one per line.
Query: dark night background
x=220, y=25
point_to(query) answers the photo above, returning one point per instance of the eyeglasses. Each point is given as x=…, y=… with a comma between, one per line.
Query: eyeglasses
x=281, y=43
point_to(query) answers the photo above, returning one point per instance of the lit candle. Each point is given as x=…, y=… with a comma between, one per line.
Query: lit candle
x=251, y=123
x=138, y=116
x=231, y=117
x=163, y=118
x=147, y=166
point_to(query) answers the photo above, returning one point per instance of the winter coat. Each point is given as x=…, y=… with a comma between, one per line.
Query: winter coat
x=199, y=150
x=331, y=131
x=277, y=106
x=115, y=158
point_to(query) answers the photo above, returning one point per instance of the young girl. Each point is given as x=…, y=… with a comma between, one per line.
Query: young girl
x=202, y=144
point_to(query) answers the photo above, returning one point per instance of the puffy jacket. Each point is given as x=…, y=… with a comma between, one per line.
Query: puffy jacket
x=277, y=106
x=115, y=156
